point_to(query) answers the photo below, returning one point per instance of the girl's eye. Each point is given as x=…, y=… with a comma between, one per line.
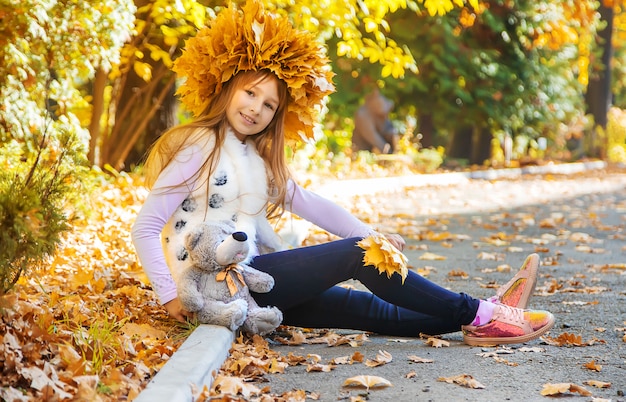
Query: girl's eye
x=249, y=92
x=269, y=106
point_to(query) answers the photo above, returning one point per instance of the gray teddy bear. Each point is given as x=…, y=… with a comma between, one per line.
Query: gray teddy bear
x=217, y=288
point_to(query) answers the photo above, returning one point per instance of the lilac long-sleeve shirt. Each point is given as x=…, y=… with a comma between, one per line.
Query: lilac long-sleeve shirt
x=176, y=182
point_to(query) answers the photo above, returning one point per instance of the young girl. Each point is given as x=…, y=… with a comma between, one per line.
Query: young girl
x=254, y=82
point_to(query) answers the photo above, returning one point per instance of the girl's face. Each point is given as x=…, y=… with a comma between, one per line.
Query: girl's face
x=253, y=107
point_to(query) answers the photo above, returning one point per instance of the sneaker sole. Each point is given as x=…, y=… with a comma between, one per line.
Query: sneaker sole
x=533, y=261
x=473, y=341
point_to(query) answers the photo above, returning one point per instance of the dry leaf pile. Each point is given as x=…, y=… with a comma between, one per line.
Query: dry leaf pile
x=88, y=327
x=252, y=358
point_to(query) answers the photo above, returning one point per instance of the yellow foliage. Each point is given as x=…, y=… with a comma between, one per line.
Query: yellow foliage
x=616, y=135
x=441, y=7
x=143, y=70
x=380, y=253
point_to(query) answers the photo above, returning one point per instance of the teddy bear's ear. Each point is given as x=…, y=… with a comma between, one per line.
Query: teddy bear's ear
x=192, y=239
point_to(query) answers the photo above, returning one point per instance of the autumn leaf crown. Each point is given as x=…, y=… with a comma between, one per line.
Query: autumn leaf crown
x=252, y=40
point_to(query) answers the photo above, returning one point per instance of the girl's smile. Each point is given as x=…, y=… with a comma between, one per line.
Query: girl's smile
x=253, y=107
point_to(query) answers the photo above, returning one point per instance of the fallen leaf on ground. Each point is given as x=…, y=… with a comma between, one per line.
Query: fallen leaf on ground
x=458, y=273
x=322, y=368
x=399, y=340
x=593, y=366
x=358, y=357
x=562, y=388
x=382, y=358
x=417, y=359
x=464, y=380
x=568, y=339
x=579, y=237
x=436, y=342
x=233, y=386
x=341, y=360
x=533, y=349
x=598, y=384
x=495, y=355
x=488, y=256
x=142, y=331
x=367, y=381
x=431, y=257
x=590, y=250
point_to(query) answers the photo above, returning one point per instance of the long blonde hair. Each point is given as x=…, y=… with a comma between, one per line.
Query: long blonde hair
x=270, y=142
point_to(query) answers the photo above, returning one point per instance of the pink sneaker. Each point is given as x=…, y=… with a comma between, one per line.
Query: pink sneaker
x=517, y=291
x=509, y=325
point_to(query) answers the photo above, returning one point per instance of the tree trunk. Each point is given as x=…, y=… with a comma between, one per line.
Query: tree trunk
x=95, y=128
x=143, y=110
x=427, y=130
x=461, y=145
x=481, y=149
x=163, y=116
x=598, y=96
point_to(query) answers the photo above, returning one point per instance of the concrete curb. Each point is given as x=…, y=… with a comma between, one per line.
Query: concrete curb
x=206, y=349
x=193, y=364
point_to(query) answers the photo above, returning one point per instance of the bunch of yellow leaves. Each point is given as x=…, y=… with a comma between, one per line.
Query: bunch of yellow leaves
x=383, y=255
x=252, y=39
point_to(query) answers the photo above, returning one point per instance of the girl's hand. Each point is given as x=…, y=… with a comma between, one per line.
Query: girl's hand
x=396, y=240
x=176, y=310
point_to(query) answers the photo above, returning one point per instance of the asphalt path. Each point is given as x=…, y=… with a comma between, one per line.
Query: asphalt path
x=484, y=229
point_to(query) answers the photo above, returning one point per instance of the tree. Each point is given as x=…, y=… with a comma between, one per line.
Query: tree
x=467, y=74
x=49, y=48
x=599, y=94
x=503, y=68
x=142, y=102
x=46, y=48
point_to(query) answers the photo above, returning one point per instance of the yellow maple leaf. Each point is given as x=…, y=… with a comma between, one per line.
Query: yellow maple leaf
x=383, y=255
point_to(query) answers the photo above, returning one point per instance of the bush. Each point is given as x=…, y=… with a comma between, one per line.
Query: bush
x=616, y=135
x=36, y=189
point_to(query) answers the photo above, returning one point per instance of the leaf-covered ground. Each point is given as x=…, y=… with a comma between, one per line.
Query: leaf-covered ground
x=89, y=328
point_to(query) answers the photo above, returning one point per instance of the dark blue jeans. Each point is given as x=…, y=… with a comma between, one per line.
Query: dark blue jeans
x=305, y=291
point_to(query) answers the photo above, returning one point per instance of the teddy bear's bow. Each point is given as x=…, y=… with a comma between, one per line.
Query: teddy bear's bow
x=231, y=274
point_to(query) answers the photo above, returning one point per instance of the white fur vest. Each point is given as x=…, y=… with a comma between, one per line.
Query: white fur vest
x=237, y=191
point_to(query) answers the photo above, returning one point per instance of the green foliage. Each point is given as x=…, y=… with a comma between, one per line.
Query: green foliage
x=489, y=68
x=38, y=194
x=48, y=50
